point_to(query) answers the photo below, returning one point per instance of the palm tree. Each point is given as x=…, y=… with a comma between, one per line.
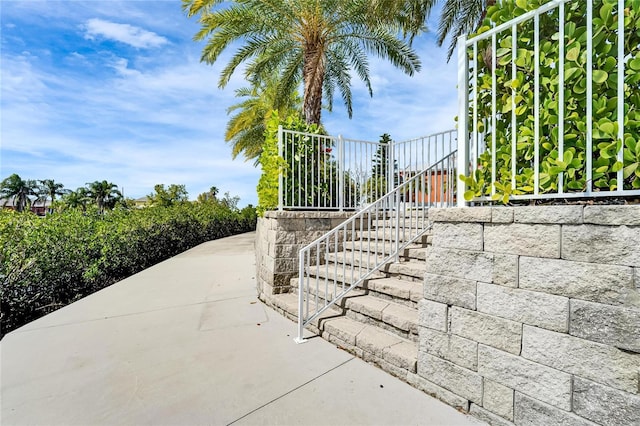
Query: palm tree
x=245, y=130
x=77, y=198
x=49, y=188
x=460, y=17
x=210, y=195
x=318, y=42
x=19, y=190
x=104, y=193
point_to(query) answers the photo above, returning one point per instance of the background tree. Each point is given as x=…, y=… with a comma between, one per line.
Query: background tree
x=381, y=157
x=49, y=189
x=320, y=42
x=208, y=196
x=169, y=196
x=245, y=130
x=76, y=199
x=104, y=194
x=15, y=189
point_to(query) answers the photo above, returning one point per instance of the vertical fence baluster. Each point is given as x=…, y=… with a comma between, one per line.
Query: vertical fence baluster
x=536, y=103
x=620, y=177
x=494, y=78
x=589, y=153
x=463, y=113
x=514, y=118
x=561, y=94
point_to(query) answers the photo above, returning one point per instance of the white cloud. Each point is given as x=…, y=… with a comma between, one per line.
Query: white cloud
x=124, y=33
x=142, y=119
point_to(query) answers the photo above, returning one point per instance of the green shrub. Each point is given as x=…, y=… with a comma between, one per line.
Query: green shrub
x=47, y=263
x=573, y=161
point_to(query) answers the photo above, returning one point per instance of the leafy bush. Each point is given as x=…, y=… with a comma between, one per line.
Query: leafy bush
x=47, y=263
x=272, y=164
x=572, y=162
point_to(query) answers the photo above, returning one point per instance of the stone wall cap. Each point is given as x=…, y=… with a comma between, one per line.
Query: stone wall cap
x=304, y=214
x=613, y=215
x=460, y=214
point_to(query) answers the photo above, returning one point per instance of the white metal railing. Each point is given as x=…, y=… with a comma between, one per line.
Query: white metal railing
x=378, y=233
x=332, y=172
x=554, y=145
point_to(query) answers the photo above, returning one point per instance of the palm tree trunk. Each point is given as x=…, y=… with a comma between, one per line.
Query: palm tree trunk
x=313, y=76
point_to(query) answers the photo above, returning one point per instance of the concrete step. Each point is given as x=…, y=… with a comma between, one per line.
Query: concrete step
x=386, y=234
x=339, y=273
x=327, y=292
x=393, y=317
x=399, y=291
x=412, y=251
x=412, y=270
x=287, y=305
x=419, y=253
x=355, y=258
x=403, y=222
x=403, y=292
x=393, y=354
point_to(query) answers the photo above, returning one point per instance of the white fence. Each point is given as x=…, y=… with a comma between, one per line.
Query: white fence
x=336, y=173
x=547, y=103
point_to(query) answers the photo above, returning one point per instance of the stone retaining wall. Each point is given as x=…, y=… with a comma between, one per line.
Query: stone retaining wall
x=279, y=237
x=531, y=315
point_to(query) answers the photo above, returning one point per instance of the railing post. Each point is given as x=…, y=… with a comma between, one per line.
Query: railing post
x=280, y=176
x=300, y=338
x=463, y=114
x=391, y=156
x=341, y=169
x=397, y=247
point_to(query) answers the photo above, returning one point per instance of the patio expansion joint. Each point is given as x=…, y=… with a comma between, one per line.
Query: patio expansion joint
x=108, y=317
x=291, y=391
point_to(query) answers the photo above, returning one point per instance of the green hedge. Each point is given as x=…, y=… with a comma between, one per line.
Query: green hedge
x=47, y=263
x=573, y=161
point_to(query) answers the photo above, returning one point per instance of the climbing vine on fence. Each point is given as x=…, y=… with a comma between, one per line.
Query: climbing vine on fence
x=272, y=163
x=519, y=93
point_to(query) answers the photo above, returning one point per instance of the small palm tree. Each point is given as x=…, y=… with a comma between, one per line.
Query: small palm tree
x=245, y=130
x=104, y=193
x=318, y=42
x=77, y=199
x=15, y=189
x=50, y=189
x=208, y=196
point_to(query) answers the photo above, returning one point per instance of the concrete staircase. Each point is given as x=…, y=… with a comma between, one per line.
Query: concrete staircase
x=377, y=321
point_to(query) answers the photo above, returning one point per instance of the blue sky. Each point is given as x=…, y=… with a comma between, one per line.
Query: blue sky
x=115, y=90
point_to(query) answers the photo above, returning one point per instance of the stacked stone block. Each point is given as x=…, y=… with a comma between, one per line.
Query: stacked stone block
x=280, y=236
x=531, y=315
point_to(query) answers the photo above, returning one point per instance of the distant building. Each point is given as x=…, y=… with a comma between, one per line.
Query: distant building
x=38, y=207
x=142, y=202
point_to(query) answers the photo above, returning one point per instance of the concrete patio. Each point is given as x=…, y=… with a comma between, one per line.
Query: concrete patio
x=187, y=342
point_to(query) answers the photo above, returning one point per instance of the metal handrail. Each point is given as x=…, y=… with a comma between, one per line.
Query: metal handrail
x=403, y=211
